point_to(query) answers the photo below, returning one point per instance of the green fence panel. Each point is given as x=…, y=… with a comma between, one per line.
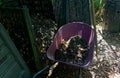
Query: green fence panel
x=11, y=63
x=17, y=22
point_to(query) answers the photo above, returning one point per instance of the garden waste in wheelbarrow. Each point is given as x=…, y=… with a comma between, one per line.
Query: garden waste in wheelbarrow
x=67, y=33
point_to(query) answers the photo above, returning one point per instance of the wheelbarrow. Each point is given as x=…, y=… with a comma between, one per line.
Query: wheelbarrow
x=67, y=31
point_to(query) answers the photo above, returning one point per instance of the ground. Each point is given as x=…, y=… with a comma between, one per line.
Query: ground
x=106, y=64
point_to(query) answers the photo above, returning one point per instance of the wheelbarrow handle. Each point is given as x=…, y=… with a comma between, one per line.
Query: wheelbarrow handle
x=80, y=73
x=42, y=70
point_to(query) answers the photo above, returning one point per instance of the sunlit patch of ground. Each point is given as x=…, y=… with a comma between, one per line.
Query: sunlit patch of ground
x=107, y=64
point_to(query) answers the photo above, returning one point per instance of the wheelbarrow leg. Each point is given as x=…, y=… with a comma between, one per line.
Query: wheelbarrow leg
x=80, y=73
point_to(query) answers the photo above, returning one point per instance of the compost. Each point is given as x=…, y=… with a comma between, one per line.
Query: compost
x=73, y=50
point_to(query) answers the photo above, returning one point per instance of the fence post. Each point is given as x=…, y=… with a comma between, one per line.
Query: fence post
x=29, y=28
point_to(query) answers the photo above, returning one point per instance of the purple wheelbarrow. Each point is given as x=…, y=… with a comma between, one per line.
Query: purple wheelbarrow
x=67, y=31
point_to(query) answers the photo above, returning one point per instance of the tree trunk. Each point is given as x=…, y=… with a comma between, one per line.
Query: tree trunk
x=71, y=11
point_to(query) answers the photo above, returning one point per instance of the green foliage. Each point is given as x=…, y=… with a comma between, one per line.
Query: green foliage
x=8, y=3
x=99, y=7
x=53, y=1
